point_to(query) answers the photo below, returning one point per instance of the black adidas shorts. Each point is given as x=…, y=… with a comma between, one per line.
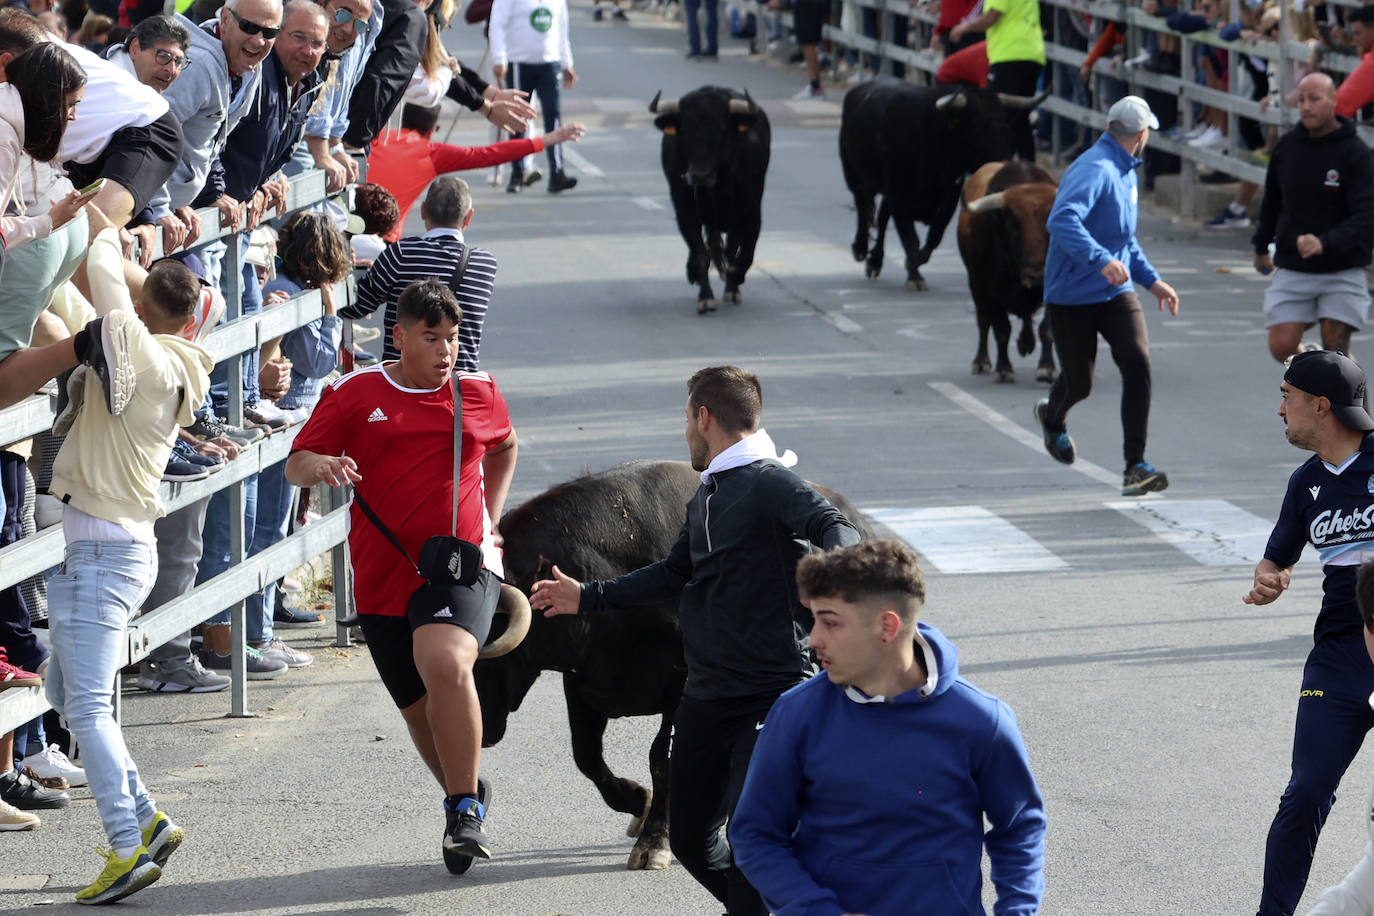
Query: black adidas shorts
x=139, y=159
x=391, y=640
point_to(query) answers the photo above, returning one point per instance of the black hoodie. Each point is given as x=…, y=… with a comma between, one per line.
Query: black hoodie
x=1323, y=186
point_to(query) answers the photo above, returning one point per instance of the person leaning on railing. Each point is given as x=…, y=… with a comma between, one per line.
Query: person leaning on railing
x=1357, y=90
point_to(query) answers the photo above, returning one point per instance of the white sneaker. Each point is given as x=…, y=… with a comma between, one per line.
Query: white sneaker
x=293, y=658
x=270, y=411
x=1210, y=138
x=51, y=762
x=11, y=818
x=806, y=92
x=295, y=415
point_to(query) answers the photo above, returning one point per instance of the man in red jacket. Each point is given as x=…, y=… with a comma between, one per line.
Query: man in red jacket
x=405, y=162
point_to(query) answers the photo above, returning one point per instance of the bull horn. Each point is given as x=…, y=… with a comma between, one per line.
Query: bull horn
x=666, y=106
x=1022, y=101
x=954, y=100
x=994, y=201
x=741, y=106
x=516, y=607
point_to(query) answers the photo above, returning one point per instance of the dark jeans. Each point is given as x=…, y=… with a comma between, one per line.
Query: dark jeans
x=1121, y=323
x=690, y=7
x=899, y=25
x=541, y=80
x=712, y=743
x=1333, y=718
x=16, y=632
x=1017, y=77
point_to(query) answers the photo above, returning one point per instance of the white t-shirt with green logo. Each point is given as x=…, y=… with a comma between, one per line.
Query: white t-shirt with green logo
x=530, y=32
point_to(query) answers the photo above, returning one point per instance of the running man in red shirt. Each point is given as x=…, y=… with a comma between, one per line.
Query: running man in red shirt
x=406, y=161
x=388, y=430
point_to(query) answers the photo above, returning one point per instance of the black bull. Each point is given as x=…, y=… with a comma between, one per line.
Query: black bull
x=618, y=664
x=715, y=157
x=911, y=145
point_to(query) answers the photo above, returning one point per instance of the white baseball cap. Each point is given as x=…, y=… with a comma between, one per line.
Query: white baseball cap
x=1133, y=114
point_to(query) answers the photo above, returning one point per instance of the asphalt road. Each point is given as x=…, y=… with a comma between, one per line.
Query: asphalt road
x=1157, y=708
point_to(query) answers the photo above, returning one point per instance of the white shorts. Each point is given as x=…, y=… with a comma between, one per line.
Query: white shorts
x=1295, y=297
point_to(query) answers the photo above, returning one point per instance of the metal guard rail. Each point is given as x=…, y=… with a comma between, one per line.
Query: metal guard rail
x=245, y=576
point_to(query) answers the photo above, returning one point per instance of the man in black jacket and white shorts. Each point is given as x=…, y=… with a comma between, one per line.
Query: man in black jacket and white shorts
x=734, y=570
x=1319, y=211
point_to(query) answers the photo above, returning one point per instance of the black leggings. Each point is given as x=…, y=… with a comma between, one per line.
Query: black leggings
x=1017, y=77
x=1122, y=324
x=712, y=743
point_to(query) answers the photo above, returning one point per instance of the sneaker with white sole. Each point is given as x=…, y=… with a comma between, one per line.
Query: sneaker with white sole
x=1229, y=219
x=809, y=92
x=71, y=394
x=121, y=877
x=1141, y=478
x=179, y=676
x=293, y=658
x=1057, y=442
x=110, y=341
x=260, y=668
x=51, y=762
x=11, y=818
x=161, y=838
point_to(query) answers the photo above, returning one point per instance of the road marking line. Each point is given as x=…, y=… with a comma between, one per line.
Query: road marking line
x=580, y=161
x=1211, y=531
x=648, y=203
x=1027, y=438
x=968, y=539
x=842, y=323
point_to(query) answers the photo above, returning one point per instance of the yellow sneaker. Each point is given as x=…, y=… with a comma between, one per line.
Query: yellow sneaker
x=121, y=877
x=161, y=838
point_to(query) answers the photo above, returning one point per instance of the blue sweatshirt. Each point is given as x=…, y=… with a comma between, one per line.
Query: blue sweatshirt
x=1093, y=222
x=862, y=805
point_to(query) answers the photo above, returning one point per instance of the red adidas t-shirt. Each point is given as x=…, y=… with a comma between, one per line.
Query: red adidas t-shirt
x=402, y=441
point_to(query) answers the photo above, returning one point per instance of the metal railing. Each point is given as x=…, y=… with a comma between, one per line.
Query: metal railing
x=235, y=336
x=922, y=65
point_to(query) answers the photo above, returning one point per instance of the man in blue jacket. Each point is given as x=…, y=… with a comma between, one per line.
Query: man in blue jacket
x=1092, y=260
x=869, y=785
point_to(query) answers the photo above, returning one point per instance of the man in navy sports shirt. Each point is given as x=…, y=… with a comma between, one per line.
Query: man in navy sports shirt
x=1330, y=504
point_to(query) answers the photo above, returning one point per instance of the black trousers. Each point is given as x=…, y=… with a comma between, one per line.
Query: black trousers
x=1017, y=77
x=1121, y=323
x=712, y=743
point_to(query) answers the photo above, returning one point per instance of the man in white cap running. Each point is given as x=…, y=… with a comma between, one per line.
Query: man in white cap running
x=1093, y=259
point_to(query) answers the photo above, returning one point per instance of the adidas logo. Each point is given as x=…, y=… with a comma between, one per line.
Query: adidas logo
x=443, y=611
x=377, y=416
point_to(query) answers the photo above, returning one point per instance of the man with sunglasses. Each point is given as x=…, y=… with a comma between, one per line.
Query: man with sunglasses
x=353, y=29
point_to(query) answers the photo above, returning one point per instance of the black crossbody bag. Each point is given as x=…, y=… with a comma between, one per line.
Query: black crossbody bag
x=445, y=559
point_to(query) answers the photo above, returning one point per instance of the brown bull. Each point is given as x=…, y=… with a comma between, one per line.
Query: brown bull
x=1003, y=240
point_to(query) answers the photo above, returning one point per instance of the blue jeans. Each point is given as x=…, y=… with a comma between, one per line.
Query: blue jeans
x=95, y=594
x=215, y=558
x=690, y=7
x=219, y=376
x=898, y=37
x=542, y=80
x=273, y=509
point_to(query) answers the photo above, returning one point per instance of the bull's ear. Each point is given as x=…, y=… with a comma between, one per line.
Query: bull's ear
x=667, y=122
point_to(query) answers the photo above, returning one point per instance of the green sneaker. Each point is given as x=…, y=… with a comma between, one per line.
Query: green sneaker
x=121, y=877
x=161, y=838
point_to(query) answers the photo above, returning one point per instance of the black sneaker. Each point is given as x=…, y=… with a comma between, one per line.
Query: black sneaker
x=516, y=184
x=618, y=13
x=561, y=181
x=1141, y=478
x=596, y=14
x=108, y=356
x=71, y=393
x=1057, y=443
x=179, y=471
x=207, y=427
x=464, y=838
x=27, y=795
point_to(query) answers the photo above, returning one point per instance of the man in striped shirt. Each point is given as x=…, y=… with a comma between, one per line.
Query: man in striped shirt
x=446, y=211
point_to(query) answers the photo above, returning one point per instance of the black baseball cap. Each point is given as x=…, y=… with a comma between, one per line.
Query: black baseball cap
x=1339, y=379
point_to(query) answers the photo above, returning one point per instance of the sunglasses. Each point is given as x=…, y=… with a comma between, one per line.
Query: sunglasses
x=360, y=25
x=164, y=58
x=249, y=27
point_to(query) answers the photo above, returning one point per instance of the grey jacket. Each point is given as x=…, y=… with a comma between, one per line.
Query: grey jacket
x=202, y=99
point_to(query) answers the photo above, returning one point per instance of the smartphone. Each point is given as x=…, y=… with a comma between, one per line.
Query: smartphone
x=92, y=188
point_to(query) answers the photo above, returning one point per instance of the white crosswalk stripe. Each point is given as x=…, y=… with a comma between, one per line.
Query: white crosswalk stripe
x=1211, y=531
x=967, y=539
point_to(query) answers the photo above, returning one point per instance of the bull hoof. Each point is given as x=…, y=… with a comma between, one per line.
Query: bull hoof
x=705, y=305
x=916, y=286
x=872, y=270
x=650, y=858
x=860, y=251
x=1006, y=376
x=982, y=366
x=731, y=296
x=1045, y=374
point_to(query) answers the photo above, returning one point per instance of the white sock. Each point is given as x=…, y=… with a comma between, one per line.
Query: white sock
x=144, y=825
x=1235, y=209
x=126, y=851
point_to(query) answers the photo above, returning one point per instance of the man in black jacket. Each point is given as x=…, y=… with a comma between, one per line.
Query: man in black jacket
x=1319, y=211
x=733, y=569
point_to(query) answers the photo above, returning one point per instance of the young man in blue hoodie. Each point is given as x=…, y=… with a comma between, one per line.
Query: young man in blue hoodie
x=1092, y=259
x=869, y=785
